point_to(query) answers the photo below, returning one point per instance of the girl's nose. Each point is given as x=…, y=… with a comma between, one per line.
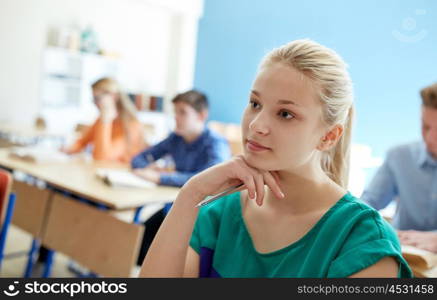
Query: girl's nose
x=259, y=125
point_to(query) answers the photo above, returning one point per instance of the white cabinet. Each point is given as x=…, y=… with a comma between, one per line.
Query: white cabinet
x=66, y=95
x=67, y=77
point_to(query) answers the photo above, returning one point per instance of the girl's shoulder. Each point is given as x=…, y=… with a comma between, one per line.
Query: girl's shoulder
x=355, y=217
x=361, y=238
x=215, y=217
x=221, y=214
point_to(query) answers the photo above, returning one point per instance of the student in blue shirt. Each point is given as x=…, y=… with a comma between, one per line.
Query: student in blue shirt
x=409, y=174
x=193, y=148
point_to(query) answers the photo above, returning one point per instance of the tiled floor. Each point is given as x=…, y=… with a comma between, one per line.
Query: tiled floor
x=19, y=242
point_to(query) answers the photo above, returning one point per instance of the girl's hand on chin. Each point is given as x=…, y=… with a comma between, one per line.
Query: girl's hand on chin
x=233, y=172
x=108, y=110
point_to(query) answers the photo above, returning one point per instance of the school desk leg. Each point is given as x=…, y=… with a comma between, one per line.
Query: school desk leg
x=48, y=264
x=31, y=258
x=137, y=214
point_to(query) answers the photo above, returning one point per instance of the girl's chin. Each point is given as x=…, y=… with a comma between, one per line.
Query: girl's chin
x=257, y=163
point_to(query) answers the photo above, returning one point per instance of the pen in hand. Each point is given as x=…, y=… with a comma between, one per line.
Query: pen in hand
x=212, y=198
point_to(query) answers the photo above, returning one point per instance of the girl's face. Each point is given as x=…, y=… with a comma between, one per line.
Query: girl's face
x=282, y=123
x=187, y=118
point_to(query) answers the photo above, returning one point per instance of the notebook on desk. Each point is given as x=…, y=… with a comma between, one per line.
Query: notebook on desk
x=123, y=178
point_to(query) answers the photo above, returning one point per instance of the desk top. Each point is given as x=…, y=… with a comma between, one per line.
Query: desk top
x=28, y=131
x=78, y=177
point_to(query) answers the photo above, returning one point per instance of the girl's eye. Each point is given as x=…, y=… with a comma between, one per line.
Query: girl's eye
x=286, y=115
x=254, y=104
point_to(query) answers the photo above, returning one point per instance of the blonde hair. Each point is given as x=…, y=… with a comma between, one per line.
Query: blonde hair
x=328, y=72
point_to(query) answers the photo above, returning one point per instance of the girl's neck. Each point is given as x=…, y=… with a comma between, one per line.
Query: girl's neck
x=304, y=192
x=194, y=134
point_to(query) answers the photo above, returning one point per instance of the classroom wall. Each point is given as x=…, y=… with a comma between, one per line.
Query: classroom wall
x=390, y=47
x=155, y=39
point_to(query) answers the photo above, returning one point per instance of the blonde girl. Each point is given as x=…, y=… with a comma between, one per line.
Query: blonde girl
x=294, y=216
x=116, y=135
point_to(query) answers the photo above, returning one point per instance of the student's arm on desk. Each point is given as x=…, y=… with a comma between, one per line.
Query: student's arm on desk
x=143, y=159
x=382, y=189
x=175, y=178
x=83, y=141
x=425, y=240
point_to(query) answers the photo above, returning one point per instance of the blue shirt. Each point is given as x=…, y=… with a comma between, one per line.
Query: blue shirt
x=189, y=158
x=409, y=175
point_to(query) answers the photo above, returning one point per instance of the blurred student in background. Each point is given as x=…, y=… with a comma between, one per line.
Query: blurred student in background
x=116, y=135
x=409, y=174
x=193, y=148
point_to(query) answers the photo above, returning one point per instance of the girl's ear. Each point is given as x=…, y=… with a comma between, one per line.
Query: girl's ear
x=330, y=139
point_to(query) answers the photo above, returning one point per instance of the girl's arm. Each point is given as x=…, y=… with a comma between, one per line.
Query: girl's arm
x=168, y=252
x=192, y=264
x=84, y=140
x=103, y=148
x=387, y=267
x=169, y=255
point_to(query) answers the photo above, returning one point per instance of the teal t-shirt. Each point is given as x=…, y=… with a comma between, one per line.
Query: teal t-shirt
x=350, y=237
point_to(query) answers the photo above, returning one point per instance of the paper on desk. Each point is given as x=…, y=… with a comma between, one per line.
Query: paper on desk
x=123, y=178
x=38, y=154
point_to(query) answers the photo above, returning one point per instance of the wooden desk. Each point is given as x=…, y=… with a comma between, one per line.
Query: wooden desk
x=93, y=237
x=78, y=177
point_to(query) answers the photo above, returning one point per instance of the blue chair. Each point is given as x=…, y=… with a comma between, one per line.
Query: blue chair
x=7, y=202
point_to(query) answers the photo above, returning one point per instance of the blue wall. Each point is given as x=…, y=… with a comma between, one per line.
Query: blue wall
x=387, y=70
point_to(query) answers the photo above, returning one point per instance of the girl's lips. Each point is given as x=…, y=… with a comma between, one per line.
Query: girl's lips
x=255, y=147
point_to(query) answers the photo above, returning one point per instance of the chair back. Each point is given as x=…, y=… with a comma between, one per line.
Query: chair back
x=5, y=190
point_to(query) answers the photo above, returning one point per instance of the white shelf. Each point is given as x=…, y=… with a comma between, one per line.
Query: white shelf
x=67, y=76
x=66, y=79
